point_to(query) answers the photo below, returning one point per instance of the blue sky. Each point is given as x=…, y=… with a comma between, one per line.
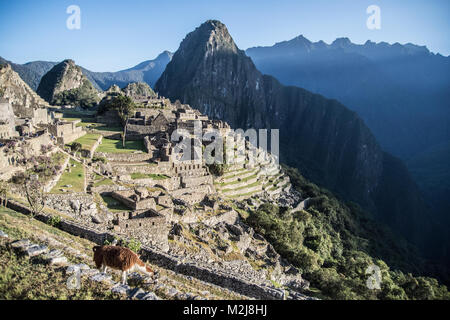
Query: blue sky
x=115, y=35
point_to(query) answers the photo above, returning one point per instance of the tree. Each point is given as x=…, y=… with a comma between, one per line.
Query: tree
x=36, y=196
x=75, y=146
x=3, y=193
x=37, y=170
x=125, y=108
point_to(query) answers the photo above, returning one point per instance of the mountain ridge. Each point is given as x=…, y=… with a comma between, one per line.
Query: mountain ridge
x=147, y=71
x=337, y=150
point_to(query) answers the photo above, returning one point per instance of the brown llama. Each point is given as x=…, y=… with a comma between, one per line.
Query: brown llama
x=119, y=258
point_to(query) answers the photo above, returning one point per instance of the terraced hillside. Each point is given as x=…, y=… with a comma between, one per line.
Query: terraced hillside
x=247, y=178
x=38, y=259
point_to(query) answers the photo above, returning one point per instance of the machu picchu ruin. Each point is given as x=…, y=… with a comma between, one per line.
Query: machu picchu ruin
x=143, y=187
x=296, y=171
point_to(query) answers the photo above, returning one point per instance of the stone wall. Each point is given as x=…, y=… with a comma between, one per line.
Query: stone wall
x=188, y=182
x=148, y=144
x=204, y=188
x=66, y=132
x=165, y=260
x=72, y=203
x=125, y=157
x=110, y=117
x=152, y=227
x=36, y=142
x=54, y=180
x=89, y=153
x=122, y=196
x=169, y=184
x=156, y=168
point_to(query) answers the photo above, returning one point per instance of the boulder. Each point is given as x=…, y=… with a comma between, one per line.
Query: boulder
x=102, y=277
x=96, y=218
x=75, y=205
x=55, y=258
x=76, y=267
x=36, y=250
x=121, y=289
x=21, y=244
x=150, y=296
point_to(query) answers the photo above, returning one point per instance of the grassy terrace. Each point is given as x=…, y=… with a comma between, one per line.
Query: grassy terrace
x=115, y=146
x=101, y=181
x=238, y=181
x=234, y=173
x=113, y=205
x=88, y=120
x=88, y=140
x=243, y=187
x=75, y=178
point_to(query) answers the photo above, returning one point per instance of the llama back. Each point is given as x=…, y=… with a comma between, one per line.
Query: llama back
x=116, y=257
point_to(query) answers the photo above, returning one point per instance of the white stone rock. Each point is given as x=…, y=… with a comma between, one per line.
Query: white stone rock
x=36, y=250
x=20, y=244
x=102, y=277
x=121, y=289
x=89, y=272
x=76, y=267
x=3, y=234
x=75, y=205
x=150, y=296
x=59, y=261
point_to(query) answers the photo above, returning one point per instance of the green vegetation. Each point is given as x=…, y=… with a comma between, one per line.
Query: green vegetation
x=85, y=96
x=88, y=140
x=132, y=244
x=243, y=187
x=54, y=221
x=101, y=181
x=124, y=106
x=88, y=121
x=334, y=243
x=75, y=178
x=115, y=146
x=138, y=175
x=25, y=278
x=253, y=176
x=99, y=159
x=113, y=205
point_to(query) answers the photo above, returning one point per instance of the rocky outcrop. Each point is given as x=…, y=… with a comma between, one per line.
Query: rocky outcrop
x=31, y=72
x=329, y=143
x=17, y=92
x=139, y=90
x=65, y=84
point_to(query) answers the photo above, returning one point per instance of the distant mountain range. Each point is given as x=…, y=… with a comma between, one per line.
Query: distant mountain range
x=147, y=71
x=401, y=91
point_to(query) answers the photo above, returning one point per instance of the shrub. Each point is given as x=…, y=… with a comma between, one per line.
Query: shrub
x=99, y=159
x=54, y=221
